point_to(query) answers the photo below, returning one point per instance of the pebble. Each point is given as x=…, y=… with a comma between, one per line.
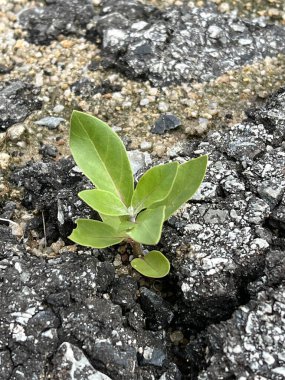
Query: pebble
x=117, y=129
x=67, y=43
x=4, y=160
x=58, y=108
x=215, y=32
x=144, y=102
x=138, y=160
x=163, y=107
x=153, y=91
x=15, y=132
x=117, y=262
x=224, y=7
x=50, y=121
x=48, y=150
x=166, y=123
x=145, y=145
x=245, y=41
x=159, y=150
x=203, y=125
x=17, y=229
x=39, y=80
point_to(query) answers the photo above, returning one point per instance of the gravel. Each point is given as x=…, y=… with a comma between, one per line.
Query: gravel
x=180, y=44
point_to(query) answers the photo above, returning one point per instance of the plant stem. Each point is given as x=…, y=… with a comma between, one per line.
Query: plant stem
x=137, y=248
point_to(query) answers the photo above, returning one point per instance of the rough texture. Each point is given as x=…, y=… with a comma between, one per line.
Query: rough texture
x=17, y=100
x=180, y=44
x=158, y=312
x=224, y=235
x=45, y=303
x=58, y=17
x=70, y=363
x=58, y=185
x=251, y=343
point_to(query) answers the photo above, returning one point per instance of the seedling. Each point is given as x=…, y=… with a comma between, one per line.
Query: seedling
x=128, y=214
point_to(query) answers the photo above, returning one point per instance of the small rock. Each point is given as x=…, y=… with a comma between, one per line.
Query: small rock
x=117, y=129
x=138, y=160
x=245, y=41
x=224, y=7
x=39, y=80
x=4, y=160
x=163, y=107
x=67, y=44
x=50, y=121
x=48, y=151
x=215, y=32
x=144, y=102
x=15, y=132
x=145, y=145
x=271, y=192
x=58, y=108
x=152, y=356
x=153, y=91
x=157, y=311
x=203, y=125
x=70, y=363
x=159, y=150
x=166, y=123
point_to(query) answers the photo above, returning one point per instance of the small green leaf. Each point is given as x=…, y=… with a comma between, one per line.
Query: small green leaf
x=104, y=202
x=187, y=181
x=154, y=186
x=101, y=155
x=148, y=225
x=153, y=264
x=92, y=233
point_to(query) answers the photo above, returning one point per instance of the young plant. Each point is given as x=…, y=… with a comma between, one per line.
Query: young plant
x=132, y=215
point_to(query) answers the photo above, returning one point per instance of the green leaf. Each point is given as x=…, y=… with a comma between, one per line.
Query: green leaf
x=92, y=233
x=125, y=226
x=101, y=155
x=104, y=202
x=148, y=225
x=119, y=223
x=154, y=186
x=113, y=221
x=187, y=181
x=153, y=264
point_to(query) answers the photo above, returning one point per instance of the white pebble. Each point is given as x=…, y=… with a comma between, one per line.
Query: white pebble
x=16, y=131
x=163, y=107
x=145, y=145
x=58, y=108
